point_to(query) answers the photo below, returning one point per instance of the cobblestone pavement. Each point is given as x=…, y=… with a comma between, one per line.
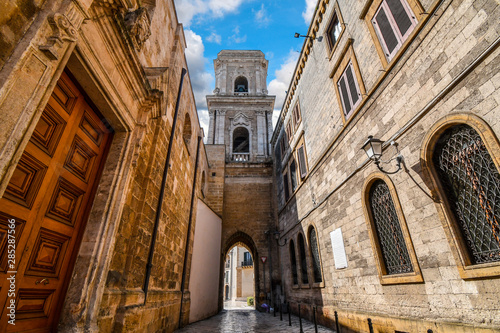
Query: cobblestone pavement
x=249, y=320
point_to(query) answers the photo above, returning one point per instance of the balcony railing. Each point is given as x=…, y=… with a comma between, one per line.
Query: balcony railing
x=246, y=263
x=241, y=157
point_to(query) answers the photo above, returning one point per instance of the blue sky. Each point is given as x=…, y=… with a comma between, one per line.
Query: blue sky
x=269, y=26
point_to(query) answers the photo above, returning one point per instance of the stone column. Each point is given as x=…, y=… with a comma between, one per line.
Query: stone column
x=219, y=130
x=211, y=127
x=269, y=116
x=261, y=133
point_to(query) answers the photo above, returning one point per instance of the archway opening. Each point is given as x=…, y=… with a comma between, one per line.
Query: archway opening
x=239, y=278
x=241, y=84
x=241, y=142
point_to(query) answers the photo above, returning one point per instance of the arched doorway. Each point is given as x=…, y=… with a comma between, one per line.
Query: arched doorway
x=239, y=278
x=239, y=259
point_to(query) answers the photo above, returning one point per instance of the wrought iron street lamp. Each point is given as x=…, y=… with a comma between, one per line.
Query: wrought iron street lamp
x=373, y=149
x=319, y=39
x=277, y=237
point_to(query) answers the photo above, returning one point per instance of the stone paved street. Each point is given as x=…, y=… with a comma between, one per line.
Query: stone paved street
x=249, y=320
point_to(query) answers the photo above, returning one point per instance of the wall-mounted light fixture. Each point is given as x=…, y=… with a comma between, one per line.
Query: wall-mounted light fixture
x=373, y=148
x=319, y=39
x=277, y=237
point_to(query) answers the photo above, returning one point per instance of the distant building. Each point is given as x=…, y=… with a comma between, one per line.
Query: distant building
x=416, y=250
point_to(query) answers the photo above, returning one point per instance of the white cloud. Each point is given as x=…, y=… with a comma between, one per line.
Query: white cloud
x=309, y=11
x=188, y=9
x=236, y=36
x=279, y=85
x=201, y=80
x=261, y=16
x=214, y=38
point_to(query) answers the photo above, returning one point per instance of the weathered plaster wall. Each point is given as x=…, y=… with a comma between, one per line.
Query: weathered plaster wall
x=204, y=278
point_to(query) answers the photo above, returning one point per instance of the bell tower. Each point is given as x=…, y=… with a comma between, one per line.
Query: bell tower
x=240, y=110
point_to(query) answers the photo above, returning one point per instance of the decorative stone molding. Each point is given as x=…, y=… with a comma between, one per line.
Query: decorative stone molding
x=240, y=119
x=63, y=31
x=138, y=24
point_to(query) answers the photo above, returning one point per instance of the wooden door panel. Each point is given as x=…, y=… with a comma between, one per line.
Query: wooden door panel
x=49, y=195
x=47, y=255
x=65, y=202
x=26, y=180
x=92, y=129
x=4, y=222
x=81, y=159
x=48, y=130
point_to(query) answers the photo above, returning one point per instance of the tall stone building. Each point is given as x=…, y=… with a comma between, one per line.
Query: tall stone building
x=103, y=175
x=410, y=238
x=239, y=132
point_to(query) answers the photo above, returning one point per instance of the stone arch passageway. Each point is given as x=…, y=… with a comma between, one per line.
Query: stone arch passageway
x=239, y=239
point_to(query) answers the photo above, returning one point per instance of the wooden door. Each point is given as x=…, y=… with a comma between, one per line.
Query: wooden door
x=49, y=197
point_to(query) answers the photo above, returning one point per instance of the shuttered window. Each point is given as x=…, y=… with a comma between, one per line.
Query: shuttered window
x=349, y=90
x=285, y=186
x=334, y=31
x=289, y=130
x=301, y=155
x=293, y=174
x=393, y=23
x=296, y=115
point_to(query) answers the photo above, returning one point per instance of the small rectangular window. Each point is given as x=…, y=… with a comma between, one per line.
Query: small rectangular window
x=393, y=22
x=334, y=31
x=349, y=90
x=293, y=175
x=289, y=131
x=296, y=115
x=302, y=161
x=286, y=189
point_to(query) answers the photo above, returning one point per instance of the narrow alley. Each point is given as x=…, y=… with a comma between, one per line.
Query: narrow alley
x=246, y=320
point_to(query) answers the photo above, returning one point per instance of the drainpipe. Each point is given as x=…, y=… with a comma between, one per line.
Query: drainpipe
x=149, y=265
x=186, y=250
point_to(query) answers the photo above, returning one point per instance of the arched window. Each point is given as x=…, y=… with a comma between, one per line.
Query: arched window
x=241, y=84
x=203, y=183
x=186, y=131
x=388, y=230
x=313, y=246
x=303, y=260
x=471, y=186
x=293, y=260
x=241, y=142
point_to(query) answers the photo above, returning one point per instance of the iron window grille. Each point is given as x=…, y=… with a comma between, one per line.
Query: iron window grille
x=388, y=230
x=471, y=185
x=313, y=243
x=293, y=259
x=303, y=262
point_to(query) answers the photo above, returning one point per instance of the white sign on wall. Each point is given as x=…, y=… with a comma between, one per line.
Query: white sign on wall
x=339, y=255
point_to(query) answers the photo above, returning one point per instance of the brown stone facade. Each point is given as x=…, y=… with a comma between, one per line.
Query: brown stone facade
x=445, y=73
x=127, y=62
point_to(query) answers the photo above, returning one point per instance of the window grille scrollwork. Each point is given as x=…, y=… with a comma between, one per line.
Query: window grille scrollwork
x=471, y=184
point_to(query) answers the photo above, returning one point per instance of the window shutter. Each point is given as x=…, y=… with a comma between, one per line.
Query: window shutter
x=400, y=15
x=389, y=38
x=344, y=95
x=302, y=161
x=285, y=187
x=352, y=84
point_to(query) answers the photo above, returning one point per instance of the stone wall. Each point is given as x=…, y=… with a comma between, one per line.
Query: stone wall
x=449, y=70
x=128, y=62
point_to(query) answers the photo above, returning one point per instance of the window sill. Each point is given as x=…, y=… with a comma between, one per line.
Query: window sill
x=318, y=284
x=480, y=271
x=401, y=278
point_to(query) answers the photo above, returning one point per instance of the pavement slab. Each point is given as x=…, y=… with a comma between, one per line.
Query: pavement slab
x=250, y=320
